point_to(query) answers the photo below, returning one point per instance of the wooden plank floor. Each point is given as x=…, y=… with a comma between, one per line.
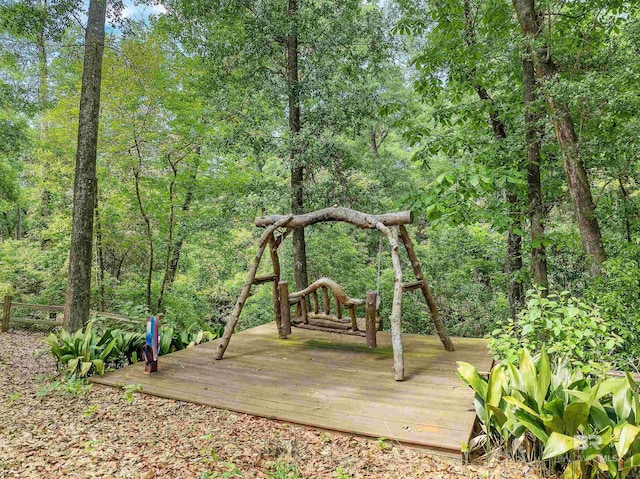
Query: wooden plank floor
x=328, y=381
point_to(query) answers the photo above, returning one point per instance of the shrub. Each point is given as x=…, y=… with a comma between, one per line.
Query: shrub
x=568, y=328
x=616, y=293
x=558, y=415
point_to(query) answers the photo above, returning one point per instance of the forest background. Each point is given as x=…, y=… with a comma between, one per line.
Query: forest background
x=512, y=133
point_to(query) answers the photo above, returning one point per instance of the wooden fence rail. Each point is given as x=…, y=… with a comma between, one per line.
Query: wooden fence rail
x=9, y=305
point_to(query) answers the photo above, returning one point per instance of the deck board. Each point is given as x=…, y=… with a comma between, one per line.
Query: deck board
x=329, y=381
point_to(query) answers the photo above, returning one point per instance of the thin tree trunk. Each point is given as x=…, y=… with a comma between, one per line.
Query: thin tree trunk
x=577, y=180
x=42, y=66
x=515, y=289
x=536, y=205
x=515, y=292
x=147, y=223
x=19, y=223
x=43, y=86
x=78, y=297
x=171, y=220
x=174, y=248
x=625, y=198
x=297, y=168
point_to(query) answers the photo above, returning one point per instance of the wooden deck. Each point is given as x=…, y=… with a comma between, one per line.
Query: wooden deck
x=329, y=381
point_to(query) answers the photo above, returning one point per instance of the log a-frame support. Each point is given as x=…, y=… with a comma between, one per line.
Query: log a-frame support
x=391, y=225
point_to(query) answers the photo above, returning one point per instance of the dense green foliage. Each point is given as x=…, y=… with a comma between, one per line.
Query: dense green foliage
x=579, y=425
x=399, y=102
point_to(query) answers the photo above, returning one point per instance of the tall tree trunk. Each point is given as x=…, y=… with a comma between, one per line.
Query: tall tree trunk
x=577, y=180
x=297, y=168
x=100, y=253
x=78, y=296
x=536, y=205
x=147, y=224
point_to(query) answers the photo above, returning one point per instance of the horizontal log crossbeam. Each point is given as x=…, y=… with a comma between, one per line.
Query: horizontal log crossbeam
x=345, y=215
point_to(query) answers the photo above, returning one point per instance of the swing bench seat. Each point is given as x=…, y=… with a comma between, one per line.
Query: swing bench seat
x=322, y=317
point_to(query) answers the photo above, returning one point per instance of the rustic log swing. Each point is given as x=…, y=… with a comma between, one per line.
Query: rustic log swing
x=391, y=225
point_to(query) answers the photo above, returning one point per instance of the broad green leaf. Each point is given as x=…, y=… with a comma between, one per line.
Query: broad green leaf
x=529, y=375
x=622, y=402
x=575, y=415
x=532, y=423
x=469, y=374
x=99, y=365
x=495, y=386
x=498, y=414
x=519, y=404
x=625, y=434
x=72, y=365
x=558, y=444
x=85, y=368
x=631, y=463
x=107, y=350
x=544, y=377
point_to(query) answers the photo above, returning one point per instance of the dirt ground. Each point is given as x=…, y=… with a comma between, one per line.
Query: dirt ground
x=52, y=428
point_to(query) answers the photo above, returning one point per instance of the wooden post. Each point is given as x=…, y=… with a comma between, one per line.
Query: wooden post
x=285, y=312
x=370, y=318
x=354, y=320
x=396, y=308
x=6, y=310
x=325, y=300
x=246, y=289
x=305, y=313
x=316, y=307
x=273, y=249
x=426, y=291
x=338, y=309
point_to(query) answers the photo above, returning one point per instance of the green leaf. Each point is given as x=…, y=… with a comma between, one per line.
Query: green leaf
x=469, y=374
x=575, y=415
x=519, y=404
x=544, y=377
x=72, y=365
x=631, y=463
x=107, y=350
x=85, y=367
x=532, y=423
x=99, y=365
x=558, y=444
x=496, y=384
x=625, y=435
x=573, y=471
x=622, y=402
x=529, y=374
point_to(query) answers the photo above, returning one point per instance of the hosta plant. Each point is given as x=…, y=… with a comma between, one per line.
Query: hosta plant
x=585, y=426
